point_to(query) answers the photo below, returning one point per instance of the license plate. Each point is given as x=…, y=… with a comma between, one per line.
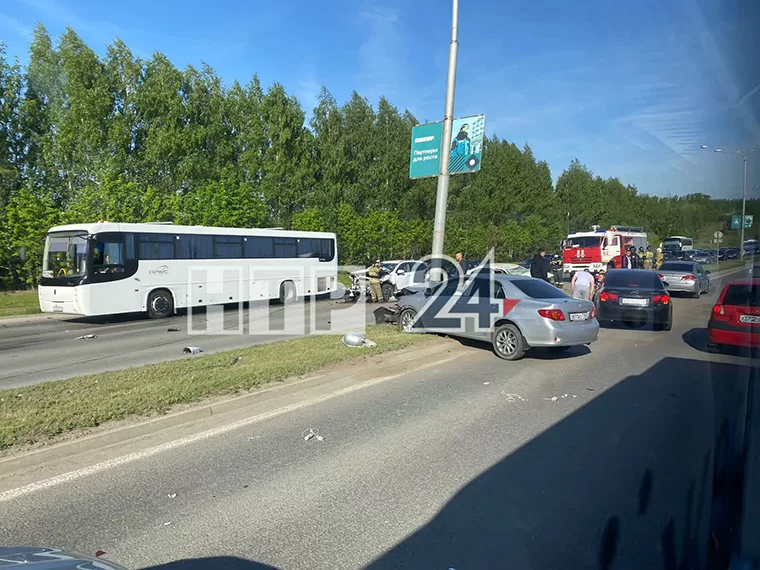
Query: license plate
x=57, y=308
x=579, y=316
x=749, y=319
x=634, y=302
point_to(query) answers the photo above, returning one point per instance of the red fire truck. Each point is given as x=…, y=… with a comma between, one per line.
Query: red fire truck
x=593, y=250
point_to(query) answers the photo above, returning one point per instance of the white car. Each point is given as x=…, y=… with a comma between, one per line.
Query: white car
x=397, y=275
x=505, y=269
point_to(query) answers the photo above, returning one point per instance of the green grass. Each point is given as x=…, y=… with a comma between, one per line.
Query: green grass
x=42, y=412
x=19, y=303
x=723, y=265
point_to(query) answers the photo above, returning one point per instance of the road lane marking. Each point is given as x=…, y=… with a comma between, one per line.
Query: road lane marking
x=138, y=455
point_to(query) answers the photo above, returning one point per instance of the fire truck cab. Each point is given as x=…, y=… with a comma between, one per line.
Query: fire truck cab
x=593, y=250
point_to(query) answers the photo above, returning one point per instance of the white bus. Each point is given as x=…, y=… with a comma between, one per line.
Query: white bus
x=110, y=268
x=674, y=244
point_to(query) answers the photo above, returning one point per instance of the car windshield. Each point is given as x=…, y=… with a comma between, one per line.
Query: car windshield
x=538, y=289
x=65, y=255
x=584, y=241
x=389, y=266
x=671, y=243
x=742, y=296
x=636, y=279
x=677, y=267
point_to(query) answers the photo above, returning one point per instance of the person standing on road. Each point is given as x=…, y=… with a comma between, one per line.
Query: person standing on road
x=461, y=262
x=539, y=267
x=660, y=259
x=635, y=259
x=648, y=258
x=557, y=269
x=375, y=289
x=626, y=262
x=582, y=285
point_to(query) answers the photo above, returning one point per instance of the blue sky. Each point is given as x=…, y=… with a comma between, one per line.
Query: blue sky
x=631, y=89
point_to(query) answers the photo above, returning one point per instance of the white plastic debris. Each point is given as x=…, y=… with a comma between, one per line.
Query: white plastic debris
x=357, y=340
x=486, y=383
x=172, y=495
x=192, y=350
x=86, y=336
x=238, y=359
x=311, y=433
x=167, y=523
x=513, y=397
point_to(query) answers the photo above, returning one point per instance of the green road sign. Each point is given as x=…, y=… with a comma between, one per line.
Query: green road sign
x=736, y=222
x=425, y=158
x=467, y=144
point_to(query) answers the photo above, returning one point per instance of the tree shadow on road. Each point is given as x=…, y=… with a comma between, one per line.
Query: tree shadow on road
x=630, y=480
x=212, y=563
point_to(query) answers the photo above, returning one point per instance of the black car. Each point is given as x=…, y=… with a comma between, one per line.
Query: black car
x=634, y=296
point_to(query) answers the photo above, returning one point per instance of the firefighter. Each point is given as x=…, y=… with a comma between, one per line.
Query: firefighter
x=375, y=289
x=659, y=259
x=648, y=258
x=557, y=270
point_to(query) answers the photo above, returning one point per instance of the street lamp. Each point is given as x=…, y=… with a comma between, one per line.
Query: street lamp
x=743, y=153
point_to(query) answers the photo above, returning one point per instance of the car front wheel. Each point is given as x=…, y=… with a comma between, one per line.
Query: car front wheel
x=508, y=342
x=406, y=320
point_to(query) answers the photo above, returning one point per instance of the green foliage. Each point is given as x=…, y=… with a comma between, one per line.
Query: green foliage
x=84, y=138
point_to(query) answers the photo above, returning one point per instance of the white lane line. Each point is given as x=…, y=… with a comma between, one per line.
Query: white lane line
x=118, y=461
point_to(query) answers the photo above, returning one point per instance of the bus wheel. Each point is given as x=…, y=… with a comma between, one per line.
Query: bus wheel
x=160, y=304
x=288, y=293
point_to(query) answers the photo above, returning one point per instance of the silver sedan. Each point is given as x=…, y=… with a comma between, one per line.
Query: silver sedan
x=685, y=277
x=513, y=313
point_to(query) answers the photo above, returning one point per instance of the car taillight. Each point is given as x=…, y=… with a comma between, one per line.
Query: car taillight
x=664, y=299
x=688, y=278
x=593, y=312
x=553, y=314
x=719, y=310
x=604, y=296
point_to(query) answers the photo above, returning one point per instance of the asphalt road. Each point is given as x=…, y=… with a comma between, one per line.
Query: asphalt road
x=45, y=348
x=605, y=456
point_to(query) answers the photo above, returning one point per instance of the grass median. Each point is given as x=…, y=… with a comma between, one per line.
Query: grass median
x=723, y=265
x=46, y=411
x=14, y=303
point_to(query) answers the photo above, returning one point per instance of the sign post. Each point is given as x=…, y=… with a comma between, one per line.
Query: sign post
x=718, y=235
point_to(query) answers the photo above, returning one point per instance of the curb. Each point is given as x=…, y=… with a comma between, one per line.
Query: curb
x=358, y=373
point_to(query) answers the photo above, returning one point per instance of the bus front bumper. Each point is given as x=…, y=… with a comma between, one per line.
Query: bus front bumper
x=62, y=300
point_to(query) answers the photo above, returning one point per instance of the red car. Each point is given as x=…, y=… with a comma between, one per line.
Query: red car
x=735, y=318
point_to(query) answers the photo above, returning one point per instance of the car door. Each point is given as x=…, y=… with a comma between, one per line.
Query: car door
x=404, y=275
x=703, y=278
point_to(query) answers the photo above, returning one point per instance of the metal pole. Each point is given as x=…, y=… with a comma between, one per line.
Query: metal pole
x=744, y=206
x=439, y=226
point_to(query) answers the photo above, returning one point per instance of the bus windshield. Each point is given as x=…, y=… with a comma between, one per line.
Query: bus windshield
x=65, y=255
x=583, y=241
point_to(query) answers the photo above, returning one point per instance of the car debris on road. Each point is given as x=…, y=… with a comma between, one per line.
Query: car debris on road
x=86, y=337
x=192, y=350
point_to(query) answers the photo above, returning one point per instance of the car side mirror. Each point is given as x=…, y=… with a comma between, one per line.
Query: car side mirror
x=665, y=284
x=400, y=272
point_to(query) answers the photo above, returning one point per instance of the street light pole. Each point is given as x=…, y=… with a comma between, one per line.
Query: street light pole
x=744, y=194
x=442, y=196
